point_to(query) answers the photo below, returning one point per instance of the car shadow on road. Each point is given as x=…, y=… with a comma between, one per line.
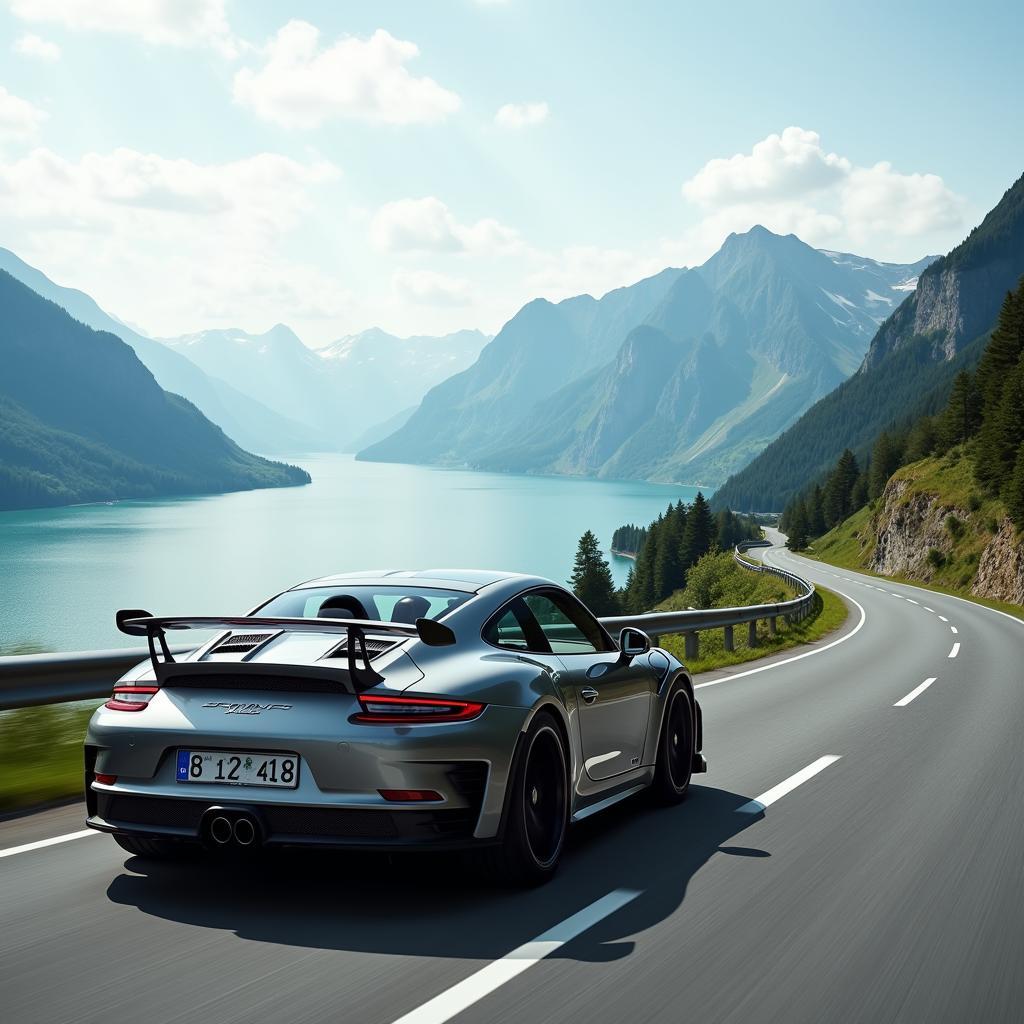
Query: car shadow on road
x=433, y=906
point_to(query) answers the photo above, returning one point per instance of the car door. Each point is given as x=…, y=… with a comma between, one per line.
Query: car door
x=613, y=697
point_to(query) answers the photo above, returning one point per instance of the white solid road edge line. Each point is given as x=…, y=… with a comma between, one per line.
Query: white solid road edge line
x=757, y=805
x=472, y=989
x=916, y=692
x=48, y=842
x=954, y=650
x=796, y=657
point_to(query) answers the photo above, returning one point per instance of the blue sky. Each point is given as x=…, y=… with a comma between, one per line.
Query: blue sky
x=425, y=166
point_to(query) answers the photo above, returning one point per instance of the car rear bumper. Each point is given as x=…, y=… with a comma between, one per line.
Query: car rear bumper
x=283, y=825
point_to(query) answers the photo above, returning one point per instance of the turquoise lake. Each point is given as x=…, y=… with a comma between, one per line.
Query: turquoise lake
x=65, y=571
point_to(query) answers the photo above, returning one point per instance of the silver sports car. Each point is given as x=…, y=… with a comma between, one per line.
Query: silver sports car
x=444, y=709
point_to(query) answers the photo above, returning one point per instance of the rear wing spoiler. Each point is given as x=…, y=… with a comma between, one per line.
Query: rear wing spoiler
x=136, y=622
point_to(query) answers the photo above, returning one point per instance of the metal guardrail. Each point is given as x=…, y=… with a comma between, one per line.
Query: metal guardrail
x=693, y=621
x=27, y=680
x=32, y=679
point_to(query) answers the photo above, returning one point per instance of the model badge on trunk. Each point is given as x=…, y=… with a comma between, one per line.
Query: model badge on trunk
x=247, y=709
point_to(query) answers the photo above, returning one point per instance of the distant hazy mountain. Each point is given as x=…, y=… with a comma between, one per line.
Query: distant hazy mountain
x=541, y=348
x=337, y=393
x=384, y=377
x=909, y=368
x=243, y=418
x=684, y=376
x=82, y=419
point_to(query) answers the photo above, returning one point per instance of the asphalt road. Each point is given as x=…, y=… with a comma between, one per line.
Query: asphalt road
x=880, y=877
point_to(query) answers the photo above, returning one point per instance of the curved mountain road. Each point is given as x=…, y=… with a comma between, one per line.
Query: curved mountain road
x=854, y=853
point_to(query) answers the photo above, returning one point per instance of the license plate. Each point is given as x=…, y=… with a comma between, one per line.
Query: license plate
x=236, y=768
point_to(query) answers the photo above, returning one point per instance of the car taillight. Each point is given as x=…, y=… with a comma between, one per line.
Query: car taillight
x=405, y=710
x=131, y=698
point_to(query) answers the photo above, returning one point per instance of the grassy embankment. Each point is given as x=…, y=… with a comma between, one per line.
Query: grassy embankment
x=948, y=479
x=717, y=582
x=41, y=750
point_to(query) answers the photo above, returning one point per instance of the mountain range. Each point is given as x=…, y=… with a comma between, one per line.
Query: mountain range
x=909, y=368
x=683, y=376
x=335, y=394
x=82, y=419
x=244, y=419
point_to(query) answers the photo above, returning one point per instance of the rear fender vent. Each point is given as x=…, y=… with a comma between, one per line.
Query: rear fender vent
x=241, y=643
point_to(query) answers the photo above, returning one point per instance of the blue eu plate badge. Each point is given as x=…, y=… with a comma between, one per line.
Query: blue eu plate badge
x=183, y=764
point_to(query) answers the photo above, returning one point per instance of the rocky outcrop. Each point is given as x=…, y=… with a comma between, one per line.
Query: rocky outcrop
x=1000, y=572
x=910, y=523
x=907, y=528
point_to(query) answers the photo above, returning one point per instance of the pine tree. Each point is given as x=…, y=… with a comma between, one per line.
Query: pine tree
x=698, y=534
x=796, y=524
x=839, y=490
x=816, y=512
x=592, y=578
x=1015, y=491
x=642, y=596
x=885, y=460
x=859, y=494
x=921, y=440
x=668, y=573
x=961, y=418
x=1003, y=350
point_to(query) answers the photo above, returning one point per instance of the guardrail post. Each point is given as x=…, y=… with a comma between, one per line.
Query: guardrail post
x=752, y=633
x=730, y=644
x=771, y=625
x=692, y=646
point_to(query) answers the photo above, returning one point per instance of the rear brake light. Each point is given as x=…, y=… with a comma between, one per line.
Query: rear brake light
x=405, y=710
x=131, y=698
x=410, y=796
x=105, y=780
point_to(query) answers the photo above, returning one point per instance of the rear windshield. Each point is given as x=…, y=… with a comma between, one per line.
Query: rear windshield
x=383, y=604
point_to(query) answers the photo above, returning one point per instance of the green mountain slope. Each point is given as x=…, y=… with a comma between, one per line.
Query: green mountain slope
x=246, y=420
x=910, y=365
x=81, y=419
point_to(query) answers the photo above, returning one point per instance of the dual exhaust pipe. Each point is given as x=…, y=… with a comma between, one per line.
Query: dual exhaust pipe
x=235, y=829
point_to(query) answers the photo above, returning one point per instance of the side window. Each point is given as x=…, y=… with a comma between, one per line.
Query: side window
x=567, y=629
x=506, y=631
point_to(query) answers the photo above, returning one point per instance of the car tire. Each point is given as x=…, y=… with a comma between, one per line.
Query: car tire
x=537, y=811
x=674, y=765
x=151, y=849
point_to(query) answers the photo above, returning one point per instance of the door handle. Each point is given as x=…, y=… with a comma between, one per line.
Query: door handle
x=589, y=694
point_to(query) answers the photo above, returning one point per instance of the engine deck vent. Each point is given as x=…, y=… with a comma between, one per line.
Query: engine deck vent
x=241, y=643
x=374, y=647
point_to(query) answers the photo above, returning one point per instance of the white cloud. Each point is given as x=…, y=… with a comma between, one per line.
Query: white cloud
x=779, y=166
x=791, y=184
x=427, y=287
x=427, y=225
x=879, y=200
x=163, y=22
x=31, y=45
x=302, y=85
x=519, y=115
x=19, y=119
x=171, y=242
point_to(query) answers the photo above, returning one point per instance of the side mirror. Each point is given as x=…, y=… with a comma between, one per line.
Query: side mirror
x=633, y=642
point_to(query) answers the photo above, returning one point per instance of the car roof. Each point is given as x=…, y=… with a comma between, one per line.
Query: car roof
x=468, y=580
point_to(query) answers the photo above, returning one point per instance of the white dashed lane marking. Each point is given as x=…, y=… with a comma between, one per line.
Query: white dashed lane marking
x=916, y=692
x=766, y=799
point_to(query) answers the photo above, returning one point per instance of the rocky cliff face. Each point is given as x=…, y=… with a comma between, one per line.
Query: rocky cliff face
x=1001, y=568
x=910, y=523
x=907, y=528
